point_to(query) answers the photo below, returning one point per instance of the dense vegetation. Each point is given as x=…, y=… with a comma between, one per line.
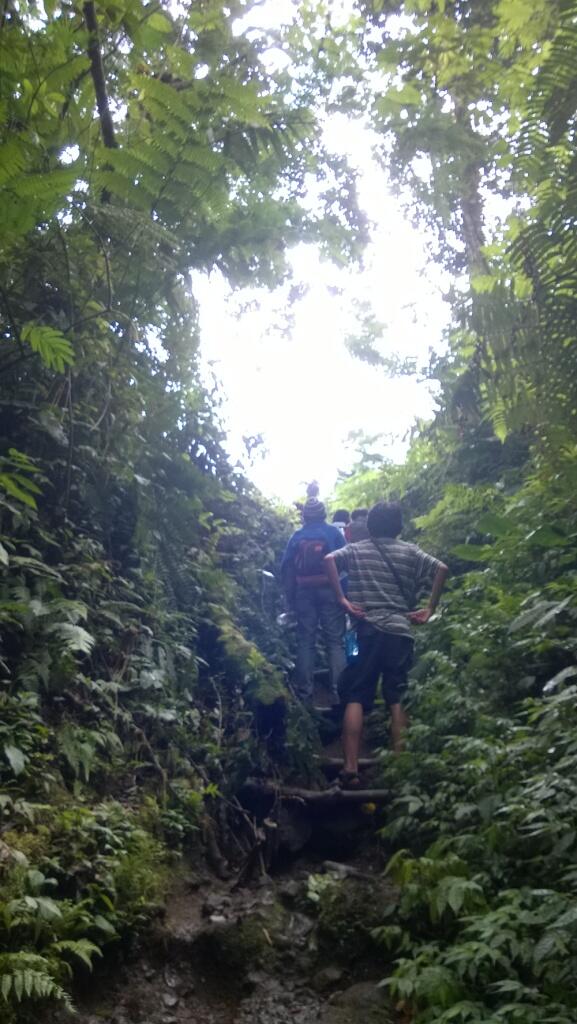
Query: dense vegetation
x=483, y=101
x=137, y=142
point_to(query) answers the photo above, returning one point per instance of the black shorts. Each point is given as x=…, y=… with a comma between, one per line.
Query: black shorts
x=380, y=654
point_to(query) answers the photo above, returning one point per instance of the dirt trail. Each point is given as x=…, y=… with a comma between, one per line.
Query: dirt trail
x=281, y=950
x=254, y=956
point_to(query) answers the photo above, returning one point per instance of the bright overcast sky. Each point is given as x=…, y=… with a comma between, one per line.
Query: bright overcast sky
x=299, y=387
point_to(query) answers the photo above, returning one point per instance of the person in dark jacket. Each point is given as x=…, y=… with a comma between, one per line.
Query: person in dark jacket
x=341, y=520
x=311, y=597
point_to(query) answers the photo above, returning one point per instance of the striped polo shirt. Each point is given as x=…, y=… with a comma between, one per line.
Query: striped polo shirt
x=373, y=586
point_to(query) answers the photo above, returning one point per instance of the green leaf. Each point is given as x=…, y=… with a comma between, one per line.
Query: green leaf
x=4, y=558
x=104, y=926
x=75, y=638
x=11, y=485
x=53, y=348
x=530, y=615
x=522, y=286
x=16, y=758
x=565, y=673
x=473, y=552
x=483, y=283
x=159, y=22
x=547, y=537
x=552, y=613
x=18, y=985
x=496, y=525
x=407, y=95
x=82, y=949
x=48, y=908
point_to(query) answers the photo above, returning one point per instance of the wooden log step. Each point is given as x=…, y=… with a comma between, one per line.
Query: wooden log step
x=334, y=795
x=336, y=763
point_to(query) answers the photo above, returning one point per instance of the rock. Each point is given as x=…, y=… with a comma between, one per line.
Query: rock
x=277, y=1003
x=170, y=1000
x=342, y=871
x=264, y=881
x=294, y=828
x=255, y=978
x=363, y=1003
x=215, y=903
x=217, y=919
x=364, y=995
x=195, y=882
x=290, y=890
x=237, y=945
x=327, y=978
x=171, y=978
x=299, y=927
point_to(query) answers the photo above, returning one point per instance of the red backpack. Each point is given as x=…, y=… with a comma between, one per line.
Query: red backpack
x=309, y=562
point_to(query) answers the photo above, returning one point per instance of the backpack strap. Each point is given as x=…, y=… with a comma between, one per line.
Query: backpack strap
x=396, y=575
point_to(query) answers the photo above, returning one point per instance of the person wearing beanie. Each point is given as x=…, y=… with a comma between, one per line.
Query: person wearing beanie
x=314, y=511
x=311, y=597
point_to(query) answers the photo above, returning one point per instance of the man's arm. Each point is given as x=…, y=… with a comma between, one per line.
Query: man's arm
x=423, y=615
x=333, y=575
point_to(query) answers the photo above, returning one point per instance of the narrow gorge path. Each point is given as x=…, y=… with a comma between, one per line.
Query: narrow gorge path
x=293, y=947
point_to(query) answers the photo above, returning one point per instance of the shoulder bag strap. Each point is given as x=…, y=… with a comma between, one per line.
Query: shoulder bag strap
x=397, y=577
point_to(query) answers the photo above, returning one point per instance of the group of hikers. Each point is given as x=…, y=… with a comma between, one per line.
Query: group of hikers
x=356, y=574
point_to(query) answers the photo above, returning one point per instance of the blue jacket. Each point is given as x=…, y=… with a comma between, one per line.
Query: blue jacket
x=312, y=531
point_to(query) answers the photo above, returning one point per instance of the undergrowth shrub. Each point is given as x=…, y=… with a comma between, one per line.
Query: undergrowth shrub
x=481, y=829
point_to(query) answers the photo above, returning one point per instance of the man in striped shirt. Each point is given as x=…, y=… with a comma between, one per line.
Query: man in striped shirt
x=385, y=578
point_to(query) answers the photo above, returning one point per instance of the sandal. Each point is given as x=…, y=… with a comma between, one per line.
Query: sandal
x=349, y=780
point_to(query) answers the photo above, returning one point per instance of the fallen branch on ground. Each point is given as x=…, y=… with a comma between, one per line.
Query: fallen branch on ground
x=335, y=795
x=337, y=762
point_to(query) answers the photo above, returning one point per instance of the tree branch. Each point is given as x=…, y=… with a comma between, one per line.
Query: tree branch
x=97, y=72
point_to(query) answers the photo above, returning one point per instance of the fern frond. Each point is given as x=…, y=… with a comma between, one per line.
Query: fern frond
x=42, y=187
x=203, y=156
x=74, y=638
x=30, y=976
x=82, y=949
x=53, y=348
x=180, y=105
x=13, y=159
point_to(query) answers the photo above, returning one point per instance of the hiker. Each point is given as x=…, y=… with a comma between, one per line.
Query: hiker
x=357, y=528
x=385, y=576
x=341, y=520
x=311, y=597
x=313, y=491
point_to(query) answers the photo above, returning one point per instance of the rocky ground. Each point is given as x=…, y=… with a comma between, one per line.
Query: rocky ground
x=292, y=949
x=274, y=953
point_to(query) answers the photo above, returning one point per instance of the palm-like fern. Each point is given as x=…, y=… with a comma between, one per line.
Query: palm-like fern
x=30, y=976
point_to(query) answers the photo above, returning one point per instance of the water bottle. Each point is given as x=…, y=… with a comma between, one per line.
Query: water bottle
x=351, y=645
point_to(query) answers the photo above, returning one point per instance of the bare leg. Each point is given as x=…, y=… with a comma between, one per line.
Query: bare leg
x=352, y=732
x=399, y=722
